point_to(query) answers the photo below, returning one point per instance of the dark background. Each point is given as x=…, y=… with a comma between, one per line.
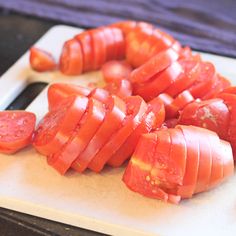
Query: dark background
x=204, y=25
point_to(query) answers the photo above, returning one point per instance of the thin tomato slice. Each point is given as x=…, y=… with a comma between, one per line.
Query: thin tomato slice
x=192, y=162
x=59, y=91
x=86, y=129
x=121, y=88
x=153, y=119
x=98, y=48
x=136, y=109
x=41, y=60
x=71, y=59
x=100, y=94
x=159, y=83
x=110, y=43
x=16, y=130
x=56, y=127
x=112, y=121
x=205, y=160
x=153, y=66
x=125, y=26
x=86, y=46
x=119, y=50
x=116, y=70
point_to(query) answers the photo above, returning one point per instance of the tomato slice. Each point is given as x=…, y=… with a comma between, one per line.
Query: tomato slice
x=136, y=109
x=121, y=88
x=231, y=90
x=187, y=78
x=119, y=50
x=41, y=60
x=98, y=48
x=113, y=119
x=116, y=70
x=170, y=123
x=178, y=104
x=204, y=80
x=71, y=59
x=159, y=82
x=86, y=129
x=125, y=26
x=100, y=94
x=205, y=160
x=210, y=114
x=16, y=130
x=110, y=43
x=153, y=119
x=59, y=91
x=192, y=162
x=86, y=46
x=56, y=127
x=153, y=66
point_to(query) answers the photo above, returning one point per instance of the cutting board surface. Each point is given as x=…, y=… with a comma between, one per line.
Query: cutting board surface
x=101, y=202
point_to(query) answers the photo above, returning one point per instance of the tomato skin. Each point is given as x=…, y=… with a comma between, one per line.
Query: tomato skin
x=116, y=70
x=153, y=66
x=16, y=130
x=210, y=114
x=57, y=125
x=121, y=88
x=71, y=59
x=86, y=129
x=86, y=47
x=59, y=91
x=136, y=108
x=41, y=60
x=112, y=121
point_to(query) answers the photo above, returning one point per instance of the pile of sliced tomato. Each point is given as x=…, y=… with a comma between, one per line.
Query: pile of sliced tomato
x=162, y=105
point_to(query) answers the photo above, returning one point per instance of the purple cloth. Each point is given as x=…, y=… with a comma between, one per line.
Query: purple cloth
x=204, y=24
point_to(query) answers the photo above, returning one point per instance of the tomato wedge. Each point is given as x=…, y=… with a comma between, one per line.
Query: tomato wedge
x=41, y=60
x=112, y=121
x=71, y=59
x=56, y=127
x=85, y=41
x=59, y=91
x=136, y=108
x=121, y=88
x=192, y=162
x=16, y=130
x=159, y=82
x=116, y=70
x=86, y=129
x=153, y=66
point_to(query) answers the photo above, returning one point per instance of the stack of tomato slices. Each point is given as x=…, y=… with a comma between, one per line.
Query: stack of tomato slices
x=154, y=89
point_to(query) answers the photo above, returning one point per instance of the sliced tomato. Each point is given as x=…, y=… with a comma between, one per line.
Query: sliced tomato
x=192, y=162
x=98, y=48
x=204, y=80
x=125, y=26
x=110, y=43
x=159, y=83
x=86, y=129
x=205, y=160
x=41, y=60
x=71, y=59
x=178, y=104
x=112, y=121
x=210, y=114
x=57, y=125
x=187, y=78
x=136, y=108
x=59, y=91
x=231, y=90
x=153, y=66
x=86, y=46
x=119, y=50
x=121, y=88
x=116, y=70
x=16, y=130
x=153, y=119
x=170, y=123
x=100, y=94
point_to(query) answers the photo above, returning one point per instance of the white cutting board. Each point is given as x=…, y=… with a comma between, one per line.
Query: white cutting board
x=101, y=202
